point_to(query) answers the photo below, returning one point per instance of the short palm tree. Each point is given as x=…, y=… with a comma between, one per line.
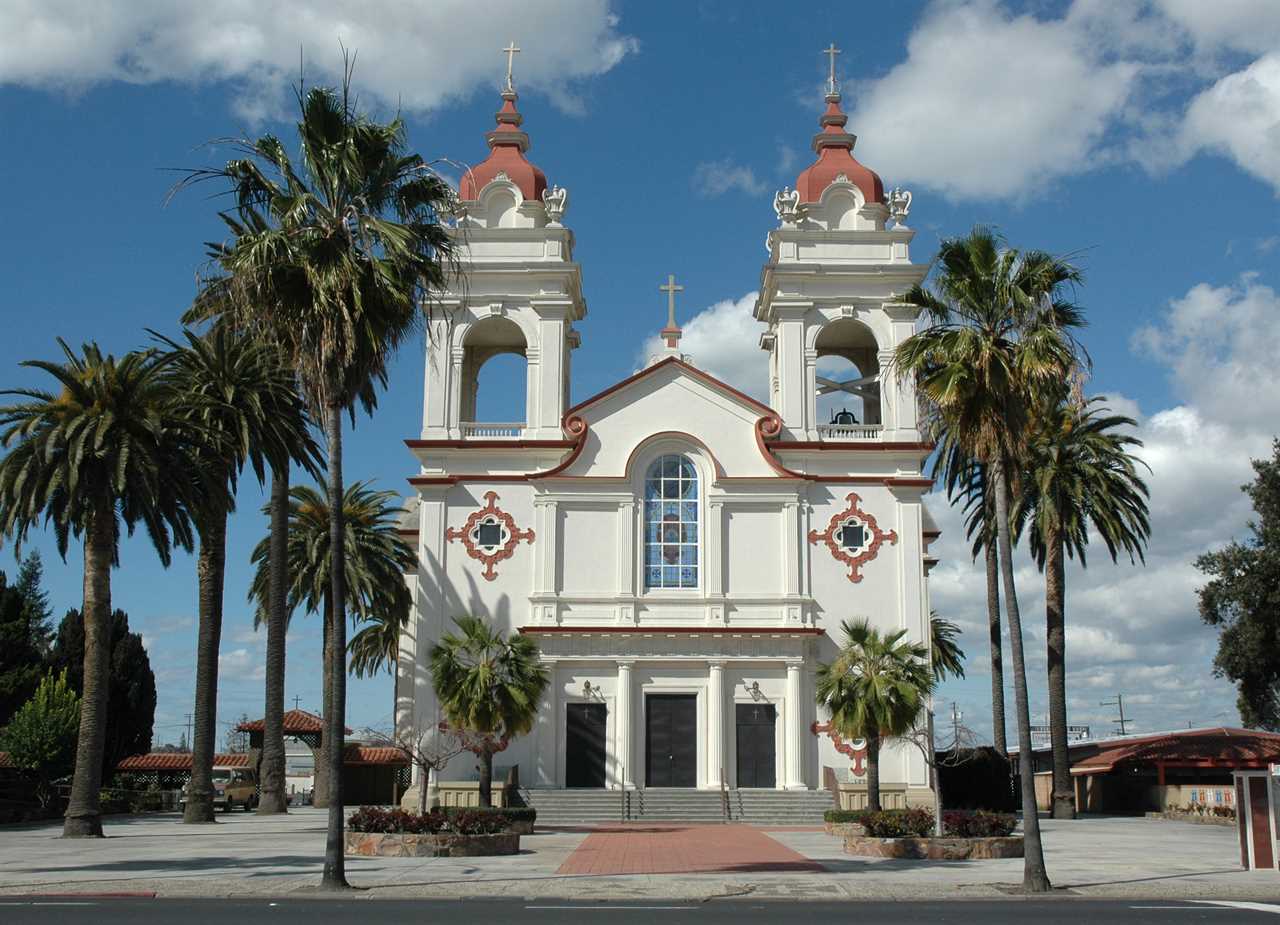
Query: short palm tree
x=334, y=258
x=946, y=658
x=377, y=559
x=877, y=686
x=489, y=686
x=1078, y=474
x=100, y=453
x=998, y=342
x=235, y=391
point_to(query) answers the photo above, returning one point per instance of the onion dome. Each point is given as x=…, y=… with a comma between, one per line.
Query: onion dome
x=507, y=144
x=834, y=147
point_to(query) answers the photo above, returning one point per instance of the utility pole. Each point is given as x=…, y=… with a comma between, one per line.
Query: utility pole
x=189, y=730
x=956, y=716
x=296, y=701
x=1118, y=703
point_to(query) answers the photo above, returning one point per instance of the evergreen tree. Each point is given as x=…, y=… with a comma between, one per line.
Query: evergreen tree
x=1242, y=600
x=21, y=661
x=132, y=704
x=30, y=585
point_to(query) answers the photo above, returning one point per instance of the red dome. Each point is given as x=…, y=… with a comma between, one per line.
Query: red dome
x=507, y=145
x=834, y=147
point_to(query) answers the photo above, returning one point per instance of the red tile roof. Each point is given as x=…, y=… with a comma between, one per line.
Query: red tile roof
x=1199, y=748
x=296, y=722
x=177, y=761
x=374, y=754
x=4, y=760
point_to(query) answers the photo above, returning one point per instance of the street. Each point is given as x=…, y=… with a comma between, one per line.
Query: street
x=72, y=910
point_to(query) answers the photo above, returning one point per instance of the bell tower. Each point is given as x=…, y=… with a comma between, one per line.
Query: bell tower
x=831, y=293
x=518, y=291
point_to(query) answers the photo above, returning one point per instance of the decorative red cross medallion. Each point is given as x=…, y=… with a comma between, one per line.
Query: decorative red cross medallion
x=489, y=535
x=853, y=536
x=857, y=753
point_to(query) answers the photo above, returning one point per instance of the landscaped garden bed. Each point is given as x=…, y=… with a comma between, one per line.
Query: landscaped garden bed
x=395, y=833
x=908, y=834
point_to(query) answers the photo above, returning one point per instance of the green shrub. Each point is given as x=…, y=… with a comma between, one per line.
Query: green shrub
x=838, y=816
x=977, y=824
x=511, y=813
x=899, y=823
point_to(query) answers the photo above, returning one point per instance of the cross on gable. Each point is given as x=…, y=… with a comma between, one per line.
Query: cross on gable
x=671, y=333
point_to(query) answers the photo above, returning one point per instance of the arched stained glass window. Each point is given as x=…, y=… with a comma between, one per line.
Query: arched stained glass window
x=671, y=524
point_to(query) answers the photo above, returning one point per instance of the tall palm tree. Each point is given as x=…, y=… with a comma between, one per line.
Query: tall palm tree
x=488, y=685
x=376, y=645
x=1078, y=473
x=875, y=687
x=235, y=390
x=334, y=257
x=376, y=561
x=999, y=340
x=100, y=453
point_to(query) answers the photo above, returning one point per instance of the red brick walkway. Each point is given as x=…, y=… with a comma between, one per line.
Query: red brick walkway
x=683, y=849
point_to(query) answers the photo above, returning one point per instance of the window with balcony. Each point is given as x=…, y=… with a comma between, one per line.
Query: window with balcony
x=493, y=404
x=671, y=522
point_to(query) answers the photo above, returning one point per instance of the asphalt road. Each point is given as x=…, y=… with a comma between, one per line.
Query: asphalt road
x=73, y=910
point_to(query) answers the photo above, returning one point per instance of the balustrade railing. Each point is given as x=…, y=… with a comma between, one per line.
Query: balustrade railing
x=850, y=431
x=498, y=431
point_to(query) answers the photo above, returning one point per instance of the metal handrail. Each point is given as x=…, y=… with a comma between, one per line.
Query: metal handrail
x=724, y=799
x=622, y=792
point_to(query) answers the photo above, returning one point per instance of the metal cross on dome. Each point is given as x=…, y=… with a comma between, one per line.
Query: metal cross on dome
x=510, y=51
x=831, y=51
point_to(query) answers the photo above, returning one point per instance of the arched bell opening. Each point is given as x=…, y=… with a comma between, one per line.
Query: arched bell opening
x=495, y=347
x=847, y=376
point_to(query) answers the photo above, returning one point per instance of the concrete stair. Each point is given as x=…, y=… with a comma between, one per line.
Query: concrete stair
x=756, y=807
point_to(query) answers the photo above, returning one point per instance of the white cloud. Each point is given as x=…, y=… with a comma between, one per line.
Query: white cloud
x=418, y=55
x=1240, y=116
x=989, y=104
x=724, y=340
x=1010, y=103
x=241, y=665
x=715, y=178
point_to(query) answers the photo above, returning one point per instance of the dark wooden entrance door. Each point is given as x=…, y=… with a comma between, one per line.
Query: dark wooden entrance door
x=671, y=740
x=585, y=744
x=757, y=759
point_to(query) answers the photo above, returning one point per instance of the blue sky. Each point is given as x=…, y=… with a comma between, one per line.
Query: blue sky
x=1141, y=137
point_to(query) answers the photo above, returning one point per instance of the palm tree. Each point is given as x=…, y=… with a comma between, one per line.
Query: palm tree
x=489, y=686
x=946, y=660
x=1078, y=473
x=333, y=259
x=376, y=646
x=999, y=341
x=234, y=389
x=875, y=687
x=376, y=561
x=99, y=453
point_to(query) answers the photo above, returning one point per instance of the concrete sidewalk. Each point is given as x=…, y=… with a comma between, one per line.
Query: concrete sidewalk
x=243, y=855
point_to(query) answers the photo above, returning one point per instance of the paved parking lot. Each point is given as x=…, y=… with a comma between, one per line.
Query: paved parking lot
x=243, y=855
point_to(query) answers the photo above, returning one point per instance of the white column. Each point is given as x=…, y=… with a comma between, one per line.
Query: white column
x=622, y=725
x=794, y=730
x=548, y=729
x=715, y=725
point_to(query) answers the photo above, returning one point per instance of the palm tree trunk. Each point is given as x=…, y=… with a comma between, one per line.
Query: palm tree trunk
x=210, y=567
x=486, y=777
x=83, y=817
x=1035, y=879
x=935, y=778
x=320, y=783
x=272, y=797
x=336, y=670
x=873, y=773
x=1064, y=804
x=999, y=736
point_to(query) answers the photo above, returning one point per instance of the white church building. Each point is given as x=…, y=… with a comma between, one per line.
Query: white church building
x=682, y=553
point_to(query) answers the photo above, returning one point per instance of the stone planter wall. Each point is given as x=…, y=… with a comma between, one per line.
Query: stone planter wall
x=845, y=829
x=444, y=845
x=934, y=849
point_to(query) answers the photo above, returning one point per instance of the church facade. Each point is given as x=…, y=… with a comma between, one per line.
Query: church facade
x=683, y=553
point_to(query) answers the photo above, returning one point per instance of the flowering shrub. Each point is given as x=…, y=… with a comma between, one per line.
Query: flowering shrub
x=899, y=823
x=977, y=824
x=373, y=820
